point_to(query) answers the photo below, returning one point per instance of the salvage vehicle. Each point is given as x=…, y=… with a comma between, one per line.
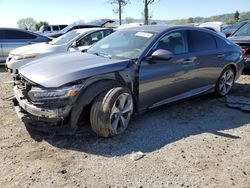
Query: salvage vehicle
x=45, y=29
x=11, y=38
x=97, y=23
x=80, y=39
x=242, y=38
x=128, y=72
x=232, y=29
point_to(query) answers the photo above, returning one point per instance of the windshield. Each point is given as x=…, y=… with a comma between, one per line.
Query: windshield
x=65, y=30
x=237, y=25
x=123, y=44
x=243, y=31
x=65, y=38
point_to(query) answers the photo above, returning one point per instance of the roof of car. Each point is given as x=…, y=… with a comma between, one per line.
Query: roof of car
x=161, y=28
x=83, y=30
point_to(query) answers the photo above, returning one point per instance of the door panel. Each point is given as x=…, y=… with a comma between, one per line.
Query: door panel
x=210, y=59
x=7, y=46
x=208, y=68
x=165, y=79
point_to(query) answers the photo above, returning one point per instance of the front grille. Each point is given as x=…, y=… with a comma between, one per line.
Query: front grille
x=52, y=104
x=23, y=86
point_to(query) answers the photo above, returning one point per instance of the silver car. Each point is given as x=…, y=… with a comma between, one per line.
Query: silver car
x=11, y=38
x=76, y=40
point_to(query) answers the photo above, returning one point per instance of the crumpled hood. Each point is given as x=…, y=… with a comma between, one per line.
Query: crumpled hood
x=240, y=39
x=34, y=48
x=57, y=70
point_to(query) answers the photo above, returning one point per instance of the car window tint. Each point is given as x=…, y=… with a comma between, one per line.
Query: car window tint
x=199, y=41
x=107, y=32
x=173, y=42
x=221, y=43
x=1, y=34
x=55, y=28
x=12, y=34
x=47, y=28
x=90, y=39
x=243, y=31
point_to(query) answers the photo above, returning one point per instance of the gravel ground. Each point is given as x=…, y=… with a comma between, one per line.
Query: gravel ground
x=197, y=143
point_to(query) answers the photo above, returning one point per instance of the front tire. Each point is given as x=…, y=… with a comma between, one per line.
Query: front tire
x=111, y=112
x=225, y=82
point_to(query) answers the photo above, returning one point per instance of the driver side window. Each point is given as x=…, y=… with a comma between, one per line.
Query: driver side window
x=174, y=42
x=90, y=39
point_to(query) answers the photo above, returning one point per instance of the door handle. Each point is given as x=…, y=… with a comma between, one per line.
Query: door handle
x=220, y=55
x=188, y=60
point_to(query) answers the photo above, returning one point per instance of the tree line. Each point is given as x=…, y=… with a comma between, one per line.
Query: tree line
x=31, y=24
x=119, y=6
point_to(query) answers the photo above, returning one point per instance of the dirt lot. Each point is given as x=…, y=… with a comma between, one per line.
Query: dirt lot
x=198, y=143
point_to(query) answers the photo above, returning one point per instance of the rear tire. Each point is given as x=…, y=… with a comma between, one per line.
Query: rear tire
x=111, y=112
x=225, y=82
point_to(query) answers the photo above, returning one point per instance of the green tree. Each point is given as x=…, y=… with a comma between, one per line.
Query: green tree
x=129, y=20
x=27, y=23
x=190, y=20
x=154, y=23
x=237, y=16
x=41, y=23
x=231, y=21
x=120, y=4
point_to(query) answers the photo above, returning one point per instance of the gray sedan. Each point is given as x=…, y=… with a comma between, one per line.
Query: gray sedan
x=128, y=72
x=11, y=38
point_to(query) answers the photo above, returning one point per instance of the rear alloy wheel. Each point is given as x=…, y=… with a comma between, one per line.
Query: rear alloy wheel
x=225, y=82
x=111, y=112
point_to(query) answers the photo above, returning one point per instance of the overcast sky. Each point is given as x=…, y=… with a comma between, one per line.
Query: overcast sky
x=68, y=11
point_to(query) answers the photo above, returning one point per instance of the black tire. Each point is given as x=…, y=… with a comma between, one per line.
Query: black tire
x=101, y=112
x=218, y=89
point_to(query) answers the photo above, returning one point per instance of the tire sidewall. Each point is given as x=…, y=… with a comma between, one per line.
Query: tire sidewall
x=217, y=88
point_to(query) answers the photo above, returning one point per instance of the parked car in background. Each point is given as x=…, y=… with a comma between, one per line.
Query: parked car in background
x=215, y=25
x=128, y=72
x=230, y=30
x=214, y=30
x=11, y=38
x=51, y=29
x=242, y=38
x=126, y=26
x=79, y=39
x=98, y=23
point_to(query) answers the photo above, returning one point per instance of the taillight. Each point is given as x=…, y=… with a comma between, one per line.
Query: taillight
x=243, y=51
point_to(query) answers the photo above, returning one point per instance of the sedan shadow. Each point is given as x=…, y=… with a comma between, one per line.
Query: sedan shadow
x=155, y=129
x=2, y=68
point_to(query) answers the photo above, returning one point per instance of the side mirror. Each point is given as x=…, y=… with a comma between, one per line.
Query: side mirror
x=74, y=44
x=162, y=55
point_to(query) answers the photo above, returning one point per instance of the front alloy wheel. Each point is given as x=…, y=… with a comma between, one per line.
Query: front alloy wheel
x=111, y=112
x=121, y=113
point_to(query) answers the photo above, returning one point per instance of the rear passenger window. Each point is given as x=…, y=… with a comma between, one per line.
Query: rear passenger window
x=107, y=32
x=47, y=28
x=221, y=43
x=1, y=34
x=55, y=28
x=11, y=34
x=200, y=41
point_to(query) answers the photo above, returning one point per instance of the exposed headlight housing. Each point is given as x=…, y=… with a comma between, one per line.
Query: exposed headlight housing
x=24, y=56
x=39, y=94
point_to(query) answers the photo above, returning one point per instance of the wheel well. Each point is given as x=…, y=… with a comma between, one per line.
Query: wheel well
x=233, y=67
x=83, y=104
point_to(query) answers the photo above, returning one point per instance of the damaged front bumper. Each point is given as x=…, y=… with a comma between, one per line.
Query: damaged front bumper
x=28, y=111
